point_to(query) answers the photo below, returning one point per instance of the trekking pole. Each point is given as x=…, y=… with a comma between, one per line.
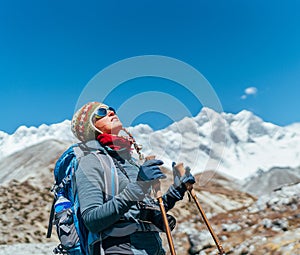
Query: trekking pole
x=158, y=195
x=179, y=167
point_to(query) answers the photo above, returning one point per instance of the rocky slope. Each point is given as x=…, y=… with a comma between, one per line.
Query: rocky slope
x=264, y=182
x=33, y=163
x=24, y=212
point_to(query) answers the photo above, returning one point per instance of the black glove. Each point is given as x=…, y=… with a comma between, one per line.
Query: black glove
x=150, y=171
x=153, y=215
x=157, y=220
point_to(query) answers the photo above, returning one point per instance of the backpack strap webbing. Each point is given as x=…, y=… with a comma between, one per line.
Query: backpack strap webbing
x=50, y=224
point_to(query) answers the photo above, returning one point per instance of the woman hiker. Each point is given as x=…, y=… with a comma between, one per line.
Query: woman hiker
x=129, y=221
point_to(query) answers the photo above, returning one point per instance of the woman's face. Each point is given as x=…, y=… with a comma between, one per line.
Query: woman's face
x=109, y=124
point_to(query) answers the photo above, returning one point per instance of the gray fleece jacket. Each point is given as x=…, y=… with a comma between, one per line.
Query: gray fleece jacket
x=121, y=212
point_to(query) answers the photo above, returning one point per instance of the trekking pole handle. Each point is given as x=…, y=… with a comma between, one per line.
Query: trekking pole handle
x=181, y=170
x=156, y=184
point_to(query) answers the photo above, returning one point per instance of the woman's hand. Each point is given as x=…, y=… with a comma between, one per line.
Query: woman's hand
x=182, y=176
x=150, y=171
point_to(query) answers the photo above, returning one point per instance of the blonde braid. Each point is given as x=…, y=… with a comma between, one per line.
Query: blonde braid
x=137, y=147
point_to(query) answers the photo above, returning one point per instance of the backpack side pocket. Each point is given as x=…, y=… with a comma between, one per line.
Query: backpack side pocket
x=66, y=230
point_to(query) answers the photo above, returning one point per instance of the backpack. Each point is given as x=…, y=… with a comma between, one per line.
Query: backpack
x=74, y=236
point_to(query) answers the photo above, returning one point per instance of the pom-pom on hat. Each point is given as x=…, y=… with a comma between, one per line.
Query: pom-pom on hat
x=82, y=125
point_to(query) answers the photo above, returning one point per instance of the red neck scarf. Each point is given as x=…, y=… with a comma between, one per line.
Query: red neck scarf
x=114, y=142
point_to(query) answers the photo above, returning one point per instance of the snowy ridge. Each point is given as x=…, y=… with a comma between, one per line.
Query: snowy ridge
x=236, y=144
x=294, y=128
x=27, y=136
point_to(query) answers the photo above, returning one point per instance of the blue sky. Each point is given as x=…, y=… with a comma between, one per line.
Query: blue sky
x=50, y=50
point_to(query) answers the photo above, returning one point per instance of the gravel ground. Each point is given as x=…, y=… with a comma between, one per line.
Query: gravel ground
x=27, y=249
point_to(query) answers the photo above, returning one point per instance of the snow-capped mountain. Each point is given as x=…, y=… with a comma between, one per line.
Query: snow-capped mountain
x=235, y=144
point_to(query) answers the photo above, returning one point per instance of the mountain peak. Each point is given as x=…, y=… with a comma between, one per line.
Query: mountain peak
x=244, y=114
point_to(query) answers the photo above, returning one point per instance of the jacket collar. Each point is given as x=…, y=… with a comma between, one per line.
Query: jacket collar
x=94, y=145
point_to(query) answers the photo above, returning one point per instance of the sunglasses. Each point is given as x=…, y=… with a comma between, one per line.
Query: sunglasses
x=102, y=112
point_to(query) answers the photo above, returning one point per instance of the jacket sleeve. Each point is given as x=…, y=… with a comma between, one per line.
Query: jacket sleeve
x=97, y=213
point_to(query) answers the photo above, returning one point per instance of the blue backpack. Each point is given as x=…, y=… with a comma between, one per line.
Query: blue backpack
x=74, y=236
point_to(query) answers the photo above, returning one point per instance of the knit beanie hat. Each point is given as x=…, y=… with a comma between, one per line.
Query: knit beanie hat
x=82, y=125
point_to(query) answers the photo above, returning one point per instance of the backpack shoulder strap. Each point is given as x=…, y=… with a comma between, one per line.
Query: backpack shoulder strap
x=111, y=179
x=110, y=172
x=79, y=152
